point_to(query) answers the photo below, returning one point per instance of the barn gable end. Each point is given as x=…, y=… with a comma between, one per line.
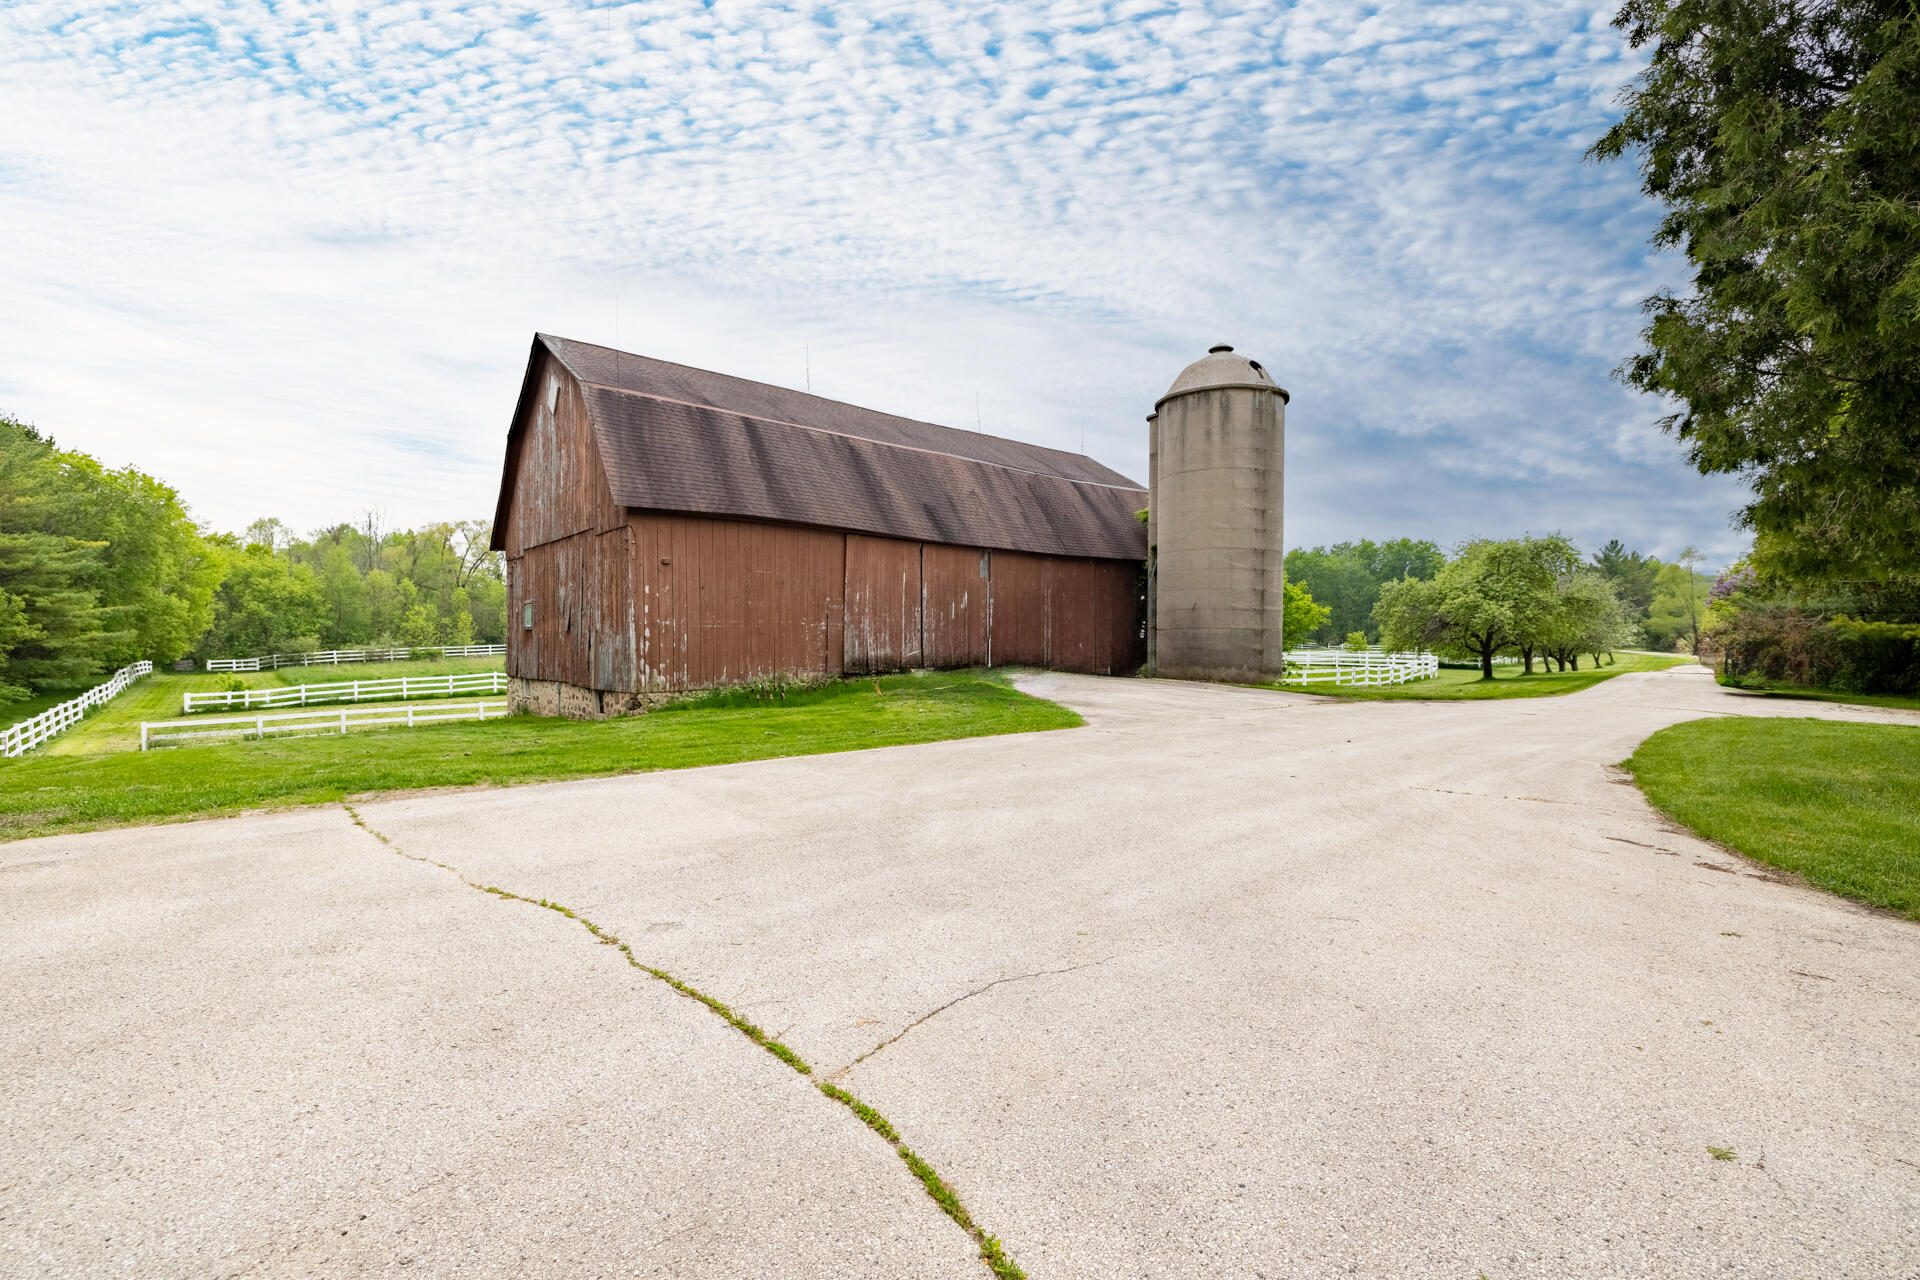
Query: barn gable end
x=569, y=598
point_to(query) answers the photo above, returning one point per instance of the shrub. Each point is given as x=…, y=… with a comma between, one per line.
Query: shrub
x=1356, y=642
x=1774, y=644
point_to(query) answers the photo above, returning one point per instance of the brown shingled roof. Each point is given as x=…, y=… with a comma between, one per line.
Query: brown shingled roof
x=674, y=438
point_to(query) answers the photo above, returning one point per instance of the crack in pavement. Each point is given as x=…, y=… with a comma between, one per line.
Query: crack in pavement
x=1487, y=795
x=992, y=1255
x=840, y=1073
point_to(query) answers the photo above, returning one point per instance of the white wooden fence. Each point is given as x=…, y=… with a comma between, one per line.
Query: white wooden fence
x=330, y=720
x=23, y=737
x=274, y=661
x=302, y=695
x=1343, y=666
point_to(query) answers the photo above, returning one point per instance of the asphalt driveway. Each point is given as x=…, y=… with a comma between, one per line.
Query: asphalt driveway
x=1227, y=983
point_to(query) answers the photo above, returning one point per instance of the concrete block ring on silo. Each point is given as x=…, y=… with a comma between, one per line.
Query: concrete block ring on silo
x=1216, y=471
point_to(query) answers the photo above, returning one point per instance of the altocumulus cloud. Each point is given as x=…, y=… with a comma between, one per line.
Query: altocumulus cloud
x=289, y=255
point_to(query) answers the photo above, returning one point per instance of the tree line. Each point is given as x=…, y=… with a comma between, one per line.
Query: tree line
x=1664, y=603
x=1533, y=597
x=100, y=568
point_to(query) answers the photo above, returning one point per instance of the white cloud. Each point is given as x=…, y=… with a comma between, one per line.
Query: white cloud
x=289, y=256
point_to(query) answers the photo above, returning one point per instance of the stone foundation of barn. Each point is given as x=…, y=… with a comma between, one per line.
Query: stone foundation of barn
x=574, y=702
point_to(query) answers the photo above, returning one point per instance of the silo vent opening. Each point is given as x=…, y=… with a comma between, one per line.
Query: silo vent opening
x=1219, y=347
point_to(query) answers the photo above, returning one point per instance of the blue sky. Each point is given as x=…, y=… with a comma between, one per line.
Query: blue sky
x=289, y=256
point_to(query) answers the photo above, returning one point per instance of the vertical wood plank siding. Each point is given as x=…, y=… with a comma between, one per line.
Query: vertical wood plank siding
x=568, y=548
x=1074, y=615
x=718, y=601
x=561, y=488
x=953, y=597
x=669, y=602
x=582, y=629
x=883, y=605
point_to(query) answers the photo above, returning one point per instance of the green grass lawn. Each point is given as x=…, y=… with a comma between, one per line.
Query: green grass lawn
x=45, y=792
x=1836, y=803
x=1453, y=684
x=1834, y=695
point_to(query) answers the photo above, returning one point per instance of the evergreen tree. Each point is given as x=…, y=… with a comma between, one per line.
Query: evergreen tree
x=1783, y=137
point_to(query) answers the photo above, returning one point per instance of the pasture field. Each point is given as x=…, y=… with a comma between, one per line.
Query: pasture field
x=1828, y=800
x=61, y=788
x=1456, y=684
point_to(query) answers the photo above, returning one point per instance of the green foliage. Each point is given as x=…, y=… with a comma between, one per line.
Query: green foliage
x=1828, y=800
x=1301, y=617
x=1357, y=642
x=1492, y=596
x=418, y=628
x=97, y=568
x=1679, y=613
x=349, y=603
x=1631, y=573
x=1783, y=137
x=1587, y=617
x=1347, y=578
x=436, y=585
x=459, y=628
x=1770, y=643
x=265, y=604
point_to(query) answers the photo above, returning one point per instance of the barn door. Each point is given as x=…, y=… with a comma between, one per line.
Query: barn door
x=882, y=605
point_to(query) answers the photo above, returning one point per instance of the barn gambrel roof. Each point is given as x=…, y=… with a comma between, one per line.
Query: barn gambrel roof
x=675, y=438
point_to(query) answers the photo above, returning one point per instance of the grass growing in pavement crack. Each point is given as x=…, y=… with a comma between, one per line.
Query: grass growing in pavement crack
x=943, y=1195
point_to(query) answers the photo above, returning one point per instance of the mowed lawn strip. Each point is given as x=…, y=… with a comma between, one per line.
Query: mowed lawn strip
x=1897, y=700
x=115, y=725
x=42, y=795
x=1836, y=803
x=1454, y=684
x=328, y=673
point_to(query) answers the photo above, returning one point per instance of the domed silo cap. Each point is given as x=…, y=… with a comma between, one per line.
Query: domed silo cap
x=1220, y=367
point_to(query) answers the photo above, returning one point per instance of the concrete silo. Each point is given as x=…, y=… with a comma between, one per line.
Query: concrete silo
x=1216, y=465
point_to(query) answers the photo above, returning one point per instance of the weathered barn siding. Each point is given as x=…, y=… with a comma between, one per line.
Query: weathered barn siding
x=568, y=548
x=718, y=601
x=883, y=605
x=560, y=485
x=1076, y=615
x=953, y=593
x=582, y=632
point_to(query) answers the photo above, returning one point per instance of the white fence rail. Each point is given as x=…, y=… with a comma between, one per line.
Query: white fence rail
x=156, y=733
x=23, y=737
x=303, y=695
x=326, y=657
x=1342, y=666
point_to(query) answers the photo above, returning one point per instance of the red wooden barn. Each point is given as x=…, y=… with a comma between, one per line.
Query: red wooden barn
x=667, y=529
